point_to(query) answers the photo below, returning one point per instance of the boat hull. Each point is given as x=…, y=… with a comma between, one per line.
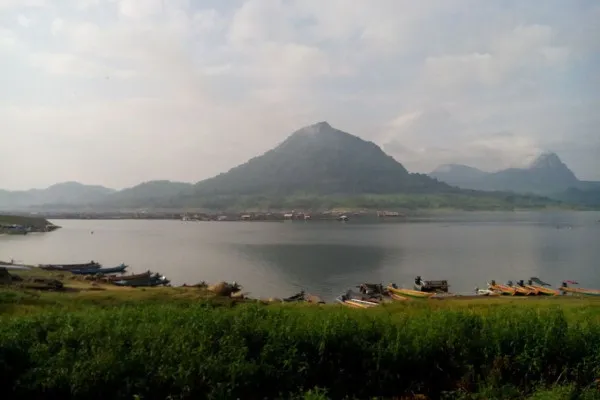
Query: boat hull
x=397, y=297
x=582, y=292
x=142, y=276
x=356, y=303
x=102, y=271
x=409, y=293
x=69, y=267
x=544, y=291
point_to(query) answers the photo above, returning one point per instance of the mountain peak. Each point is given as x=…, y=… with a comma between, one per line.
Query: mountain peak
x=319, y=159
x=546, y=160
x=315, y=129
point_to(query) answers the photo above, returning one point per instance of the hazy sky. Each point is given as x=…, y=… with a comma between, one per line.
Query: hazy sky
x=116, y=92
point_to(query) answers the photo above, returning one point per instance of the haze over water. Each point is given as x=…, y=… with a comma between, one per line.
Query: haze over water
x=326, y=258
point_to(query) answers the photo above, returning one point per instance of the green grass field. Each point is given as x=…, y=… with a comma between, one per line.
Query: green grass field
x=182, y=343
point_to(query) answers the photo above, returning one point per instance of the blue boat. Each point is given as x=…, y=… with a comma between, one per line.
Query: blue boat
x=102, y=271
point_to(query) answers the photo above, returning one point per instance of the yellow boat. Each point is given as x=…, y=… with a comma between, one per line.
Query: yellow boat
x=542, y=288
x=409, y=292
x=397, y=297
x=505, y=290
x=545, y=291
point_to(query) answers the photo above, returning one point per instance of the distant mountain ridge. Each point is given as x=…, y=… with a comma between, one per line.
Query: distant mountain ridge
x=547, y=174
x=74, y=194
x=67, y=193
x=316, y=166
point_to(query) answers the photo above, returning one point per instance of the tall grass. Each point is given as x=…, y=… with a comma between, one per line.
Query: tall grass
x=203, y=352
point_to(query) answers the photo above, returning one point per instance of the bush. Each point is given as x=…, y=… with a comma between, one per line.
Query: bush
x=157, y=351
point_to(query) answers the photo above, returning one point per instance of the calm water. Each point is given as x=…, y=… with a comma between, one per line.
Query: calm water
x=326, y=258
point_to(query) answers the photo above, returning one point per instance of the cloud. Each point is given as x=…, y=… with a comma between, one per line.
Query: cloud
x=24, y=21
x=11, y=4
x=176, y=89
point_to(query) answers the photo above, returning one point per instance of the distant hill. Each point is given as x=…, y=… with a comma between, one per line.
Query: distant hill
x=67, y=193
x=546, y=175
x=458, y=175
x=319, y=159
x=147, y=194
x=316, y=167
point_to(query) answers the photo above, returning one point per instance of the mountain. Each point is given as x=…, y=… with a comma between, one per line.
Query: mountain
x=67, y=193
x=319, y=159
x=547, y=174
x=148, y=194
x=316, y=167
x=457, y=175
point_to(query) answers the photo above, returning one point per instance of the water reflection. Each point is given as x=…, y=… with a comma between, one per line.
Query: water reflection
x=324, y=269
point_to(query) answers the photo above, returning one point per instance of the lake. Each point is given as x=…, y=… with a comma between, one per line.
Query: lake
x=326, y=258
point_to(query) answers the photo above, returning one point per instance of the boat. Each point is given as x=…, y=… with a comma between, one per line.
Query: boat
x=13, y=266
x=487, y=292
x=155, y=280
x=397, y=297
x=392, y=288
x=297, y=297
x=143, y=275
x=542, y=287
x=431, y=286
x=102, y=271
x=503, y=289
x=68, y=267
x=349, y=299
x=581, y=291
x=372, y=289
x=525, y=288
x=519, y=290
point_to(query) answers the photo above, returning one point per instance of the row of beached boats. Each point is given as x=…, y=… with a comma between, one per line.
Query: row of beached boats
x=373, y=295
x=114, y=275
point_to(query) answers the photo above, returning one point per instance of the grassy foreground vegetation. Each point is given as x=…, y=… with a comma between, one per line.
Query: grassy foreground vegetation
x=176, y=342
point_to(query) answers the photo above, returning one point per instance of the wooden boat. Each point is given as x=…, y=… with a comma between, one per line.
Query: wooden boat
x=143, y=275
x=69, y=267
x=12, y=266
x=397, y=297
x=431, y=286
x=392, y=288
x=102, y=271
x=542, y=289
x=503, y=289
x=487, y=292
x=372, y=289
x=519, y=290
x=152, y=281
x=579, y=291
x=297, y=297
x=355, y=303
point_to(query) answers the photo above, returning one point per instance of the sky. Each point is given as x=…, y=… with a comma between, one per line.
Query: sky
x=117, y=92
